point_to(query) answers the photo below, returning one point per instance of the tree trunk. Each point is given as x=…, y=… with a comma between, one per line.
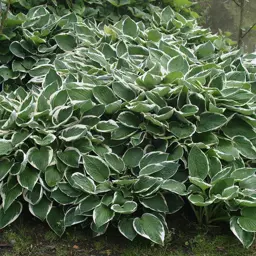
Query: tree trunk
x=241, y=23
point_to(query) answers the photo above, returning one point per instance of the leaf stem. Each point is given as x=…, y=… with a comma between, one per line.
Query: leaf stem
x=226, y=218
x=197, y=214
x=249, y=30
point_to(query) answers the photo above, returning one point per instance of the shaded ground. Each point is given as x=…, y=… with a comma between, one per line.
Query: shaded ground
x=31, y=237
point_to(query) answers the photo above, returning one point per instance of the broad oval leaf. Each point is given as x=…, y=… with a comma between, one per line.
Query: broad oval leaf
x=96, y=168
x=9, y=216
x=198, y=163
x=150, y=227
x=55, y=219
x=102, y=214
x=40, y=158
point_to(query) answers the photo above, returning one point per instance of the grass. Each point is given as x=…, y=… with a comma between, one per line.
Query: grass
x=31, y=237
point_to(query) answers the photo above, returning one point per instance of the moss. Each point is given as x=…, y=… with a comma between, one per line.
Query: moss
x=99, y=245
x=62, y=251
x=50, y=236
x=21, y=240
x=187, y=241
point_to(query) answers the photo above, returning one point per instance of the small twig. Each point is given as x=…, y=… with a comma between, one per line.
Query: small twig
x=249, y=30
x=236, y=3
x=5, y=245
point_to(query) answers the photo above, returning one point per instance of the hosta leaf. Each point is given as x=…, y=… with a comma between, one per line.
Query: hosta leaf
x=242, y=173
x=66, y=42
x=155, y=203
x=246, y=202
x=6, y=166
x=104, y=95
x=128, y=207
x=58, y=196
x=67, y=189
x=40, y=158
x=102, y=214
x=198, y=164
x=84, y=145
x=20, y=137
x=236, y=126
x=122, y=132
x=73, y=133
x=132, y=157
x=154, y=35
x=47, y=140
x=71, y=218
x=40, y=70
x=145, y=183
x=106, y=126
x=150, y=169
x=246, y=238
x=249, y=182
x=226, y=150
x=247, y=224
x=199, y=200
x=248, y=212
x=220, y=185
x=55, y=219
x=17, y=50
x=199, y=183
x=153, y=158
x=205, y=50
x=229, y=193
x=115, y=162
x=5, y=147
x=179, y=64
x=174, y=187
x=141, y=107
x=9, y=195
x=35, y=195
x=125, y=227
x=84, y=183
x=214, y=166
x=89, y=203
x=129, y=119
x=28, y=178
x=96, y=168
x=58, y=99
x=130, y=28
x=52, y=176
x=210, y=121
x=9, y=216
x=150, y=227
x=61, y=115
x=104, y=187
x=98, y=231
x=169, y=170
x=245, y=147
x=41, y=209
x=182, y=130
x=70, y=157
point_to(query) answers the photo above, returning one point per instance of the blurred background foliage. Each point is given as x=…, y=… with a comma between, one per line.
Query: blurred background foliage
x=224, y=15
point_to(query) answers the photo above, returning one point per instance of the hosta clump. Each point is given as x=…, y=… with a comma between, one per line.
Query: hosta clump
x=115, y=123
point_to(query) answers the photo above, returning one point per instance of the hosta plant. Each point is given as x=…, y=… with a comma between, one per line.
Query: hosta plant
x=115, y=119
